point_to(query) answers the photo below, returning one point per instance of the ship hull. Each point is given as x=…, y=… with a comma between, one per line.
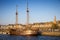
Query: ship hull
x=24, y=33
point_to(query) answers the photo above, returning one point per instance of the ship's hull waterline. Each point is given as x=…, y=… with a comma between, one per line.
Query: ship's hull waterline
x=24, y=33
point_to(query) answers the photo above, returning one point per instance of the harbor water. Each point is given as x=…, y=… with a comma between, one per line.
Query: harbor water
x=13, y=37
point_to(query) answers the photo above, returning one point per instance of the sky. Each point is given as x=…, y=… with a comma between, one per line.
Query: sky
x=39, y=11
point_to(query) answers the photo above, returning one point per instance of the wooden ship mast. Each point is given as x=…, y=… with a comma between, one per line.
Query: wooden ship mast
x=16, y=17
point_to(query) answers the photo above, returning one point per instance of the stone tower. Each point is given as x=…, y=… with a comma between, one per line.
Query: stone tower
x=54, y=19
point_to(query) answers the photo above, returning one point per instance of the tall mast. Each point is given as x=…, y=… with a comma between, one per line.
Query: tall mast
x=16, y=17
x=27, y=13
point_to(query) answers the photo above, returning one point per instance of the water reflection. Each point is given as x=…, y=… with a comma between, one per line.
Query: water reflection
x=31, y=38
x=12, y=37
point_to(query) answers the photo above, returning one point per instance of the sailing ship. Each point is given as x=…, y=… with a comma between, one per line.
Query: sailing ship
x=27, y=31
